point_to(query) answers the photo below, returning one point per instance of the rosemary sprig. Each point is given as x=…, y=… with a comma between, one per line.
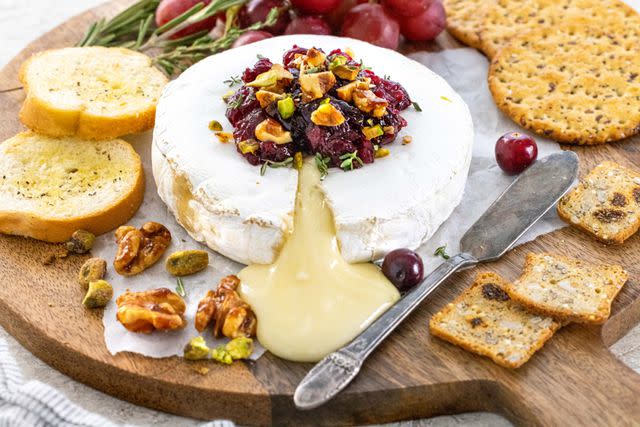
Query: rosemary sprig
x=269, y=163
x=232, y=81
x=180, y=288
x=322, y=163
x=348, y=159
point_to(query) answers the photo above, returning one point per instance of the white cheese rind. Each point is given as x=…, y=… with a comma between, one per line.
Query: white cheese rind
x=399, y=201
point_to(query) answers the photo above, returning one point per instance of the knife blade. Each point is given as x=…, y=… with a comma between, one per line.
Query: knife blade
x=524, y=202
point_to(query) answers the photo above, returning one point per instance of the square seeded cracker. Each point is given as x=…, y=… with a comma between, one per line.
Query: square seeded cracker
x=484, y=320
x=567, y=289
x=605, y=204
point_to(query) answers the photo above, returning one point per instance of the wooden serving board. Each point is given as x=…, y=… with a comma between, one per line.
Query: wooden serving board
x=574, y=380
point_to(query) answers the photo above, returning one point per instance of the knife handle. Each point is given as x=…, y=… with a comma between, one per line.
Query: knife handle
x=338, y=369
x=367, y=341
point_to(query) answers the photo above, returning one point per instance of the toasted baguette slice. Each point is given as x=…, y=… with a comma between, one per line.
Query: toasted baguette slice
x=485, y=321
x=50, y=187
x=606, y=204
x=90, y=92
x=567, y=289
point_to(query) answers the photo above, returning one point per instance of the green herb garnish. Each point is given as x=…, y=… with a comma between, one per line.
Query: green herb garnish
x=322, y=163
x=348, y=159
x=286, y=162
x=417, y=107
x=180, y=288
x=134, y=28
x=444, y=98
x=441, y=251
x=232, y=81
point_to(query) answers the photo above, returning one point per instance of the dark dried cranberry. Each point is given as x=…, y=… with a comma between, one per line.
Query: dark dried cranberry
x=493, y=292
x=262, y=66
x=393, y=92
x=608, y=216
x=475, y=322
x=636, y=195
x=246, y=127
x=275, y=152
x=241, y=104
x=619, y=200
x=366, y=152
x=290, y=55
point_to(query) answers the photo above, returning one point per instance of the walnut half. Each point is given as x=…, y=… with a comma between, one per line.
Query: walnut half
x=147, y=311
x=140, y=249
x=229, y=314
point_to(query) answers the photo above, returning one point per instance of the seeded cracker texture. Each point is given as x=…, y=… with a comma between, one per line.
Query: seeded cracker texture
x=484, y=320
x=465, y=19
x=503, y=20
x=572, y=83
x=605, y=204
x=567, y=289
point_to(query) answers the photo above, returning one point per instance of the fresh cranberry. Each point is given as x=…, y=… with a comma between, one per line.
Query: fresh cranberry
x=241, y=104
x=403, y=268
x=515, y=152
x=262, y=66
x=290, y=55
x=245, y=128
x=275, y=152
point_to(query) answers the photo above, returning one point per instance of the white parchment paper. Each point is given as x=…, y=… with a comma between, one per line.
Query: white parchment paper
x=464, y=69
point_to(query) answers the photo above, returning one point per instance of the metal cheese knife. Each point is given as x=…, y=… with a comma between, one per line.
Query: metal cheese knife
x=527, y=199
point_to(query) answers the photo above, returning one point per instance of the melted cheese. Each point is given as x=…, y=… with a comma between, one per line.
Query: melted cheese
x=311, y=302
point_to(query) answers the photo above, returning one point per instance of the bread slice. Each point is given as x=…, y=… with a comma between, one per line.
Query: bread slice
x=605, y=204
x=568, y=289
x=50, y=187
x=90, y=92
x=485, y=321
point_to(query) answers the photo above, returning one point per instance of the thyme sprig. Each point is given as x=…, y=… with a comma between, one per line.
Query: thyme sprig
x=269, y=163
x=442, y=251
x=322, y=163
x=180, y=288
x=348, y=159
x=232, y=81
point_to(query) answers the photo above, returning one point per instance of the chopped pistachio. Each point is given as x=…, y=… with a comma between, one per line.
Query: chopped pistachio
x=99, y=294
x=93, y=269
x=371, y=132
x=406, y=139
x=346, y=72
x=248, y=146
x=382, y=152
x=221, y=355
x=81, y=242
x=286, y=107
x=337, y=61
x=228, y=95
x=184, y=263
x=240, y=348
x=297, y=161
x=224, y=137
x=215, y=126
x=196, y=349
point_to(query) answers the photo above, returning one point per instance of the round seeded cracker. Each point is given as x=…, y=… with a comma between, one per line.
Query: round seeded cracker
x=465, y=19
x=577, y=84
x=505, y=19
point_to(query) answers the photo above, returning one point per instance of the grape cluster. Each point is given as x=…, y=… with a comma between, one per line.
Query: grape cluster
x=380, y=22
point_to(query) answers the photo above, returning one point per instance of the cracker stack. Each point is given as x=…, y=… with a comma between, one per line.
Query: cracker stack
x=566, y=69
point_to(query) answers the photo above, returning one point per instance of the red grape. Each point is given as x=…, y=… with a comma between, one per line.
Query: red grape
x=515, y=152
x=406, y=7
x=170, y=9
x=369, y=22
x=427, y=25
x=257, y=11
x=308, y=25
x=315, y=6
x=251, y=37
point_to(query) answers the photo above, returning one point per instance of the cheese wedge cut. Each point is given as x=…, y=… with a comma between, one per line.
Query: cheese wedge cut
x=311, y=302
x=223, y=201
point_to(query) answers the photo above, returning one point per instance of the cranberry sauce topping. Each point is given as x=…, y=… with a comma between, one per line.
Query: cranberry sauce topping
x=328, y=106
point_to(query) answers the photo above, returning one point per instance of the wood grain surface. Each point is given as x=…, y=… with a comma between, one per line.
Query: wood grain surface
x=573, y=380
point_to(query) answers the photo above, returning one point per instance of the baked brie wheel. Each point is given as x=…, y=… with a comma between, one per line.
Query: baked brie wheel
x=225, y=202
